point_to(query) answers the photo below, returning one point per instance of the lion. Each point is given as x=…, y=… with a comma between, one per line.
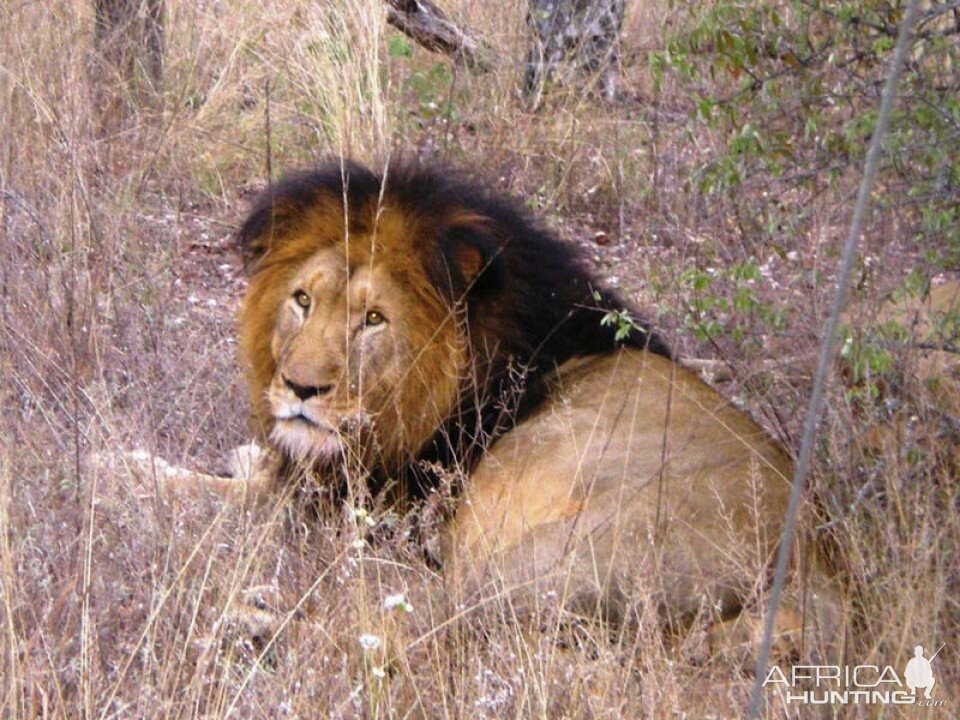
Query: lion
x=402, y=325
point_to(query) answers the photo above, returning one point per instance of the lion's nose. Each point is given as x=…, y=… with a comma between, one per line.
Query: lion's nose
x=305, y=392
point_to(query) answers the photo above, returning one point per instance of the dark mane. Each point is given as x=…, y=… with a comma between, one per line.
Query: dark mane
x=527, y=299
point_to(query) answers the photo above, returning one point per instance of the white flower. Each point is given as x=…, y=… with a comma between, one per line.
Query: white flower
x=394, y=601
x=369, y=642
x=379, y=672
x=363, y=516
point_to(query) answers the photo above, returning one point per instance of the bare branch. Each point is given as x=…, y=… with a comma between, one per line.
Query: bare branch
x=429, y=26
x=937, y=10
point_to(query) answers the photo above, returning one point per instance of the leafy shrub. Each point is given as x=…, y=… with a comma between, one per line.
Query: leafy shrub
x=793, y=88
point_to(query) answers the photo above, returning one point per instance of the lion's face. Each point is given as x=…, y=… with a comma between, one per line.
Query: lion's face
x=360, y=362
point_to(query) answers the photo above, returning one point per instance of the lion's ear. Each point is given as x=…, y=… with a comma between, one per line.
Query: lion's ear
x=264, y=226
x=471, y=252
x=469, y=260
x=281, y=208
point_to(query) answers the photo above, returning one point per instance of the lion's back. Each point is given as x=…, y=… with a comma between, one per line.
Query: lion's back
x=634, y=463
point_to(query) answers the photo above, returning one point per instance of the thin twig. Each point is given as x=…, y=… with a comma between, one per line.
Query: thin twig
x=826, y=352
x=267, y=132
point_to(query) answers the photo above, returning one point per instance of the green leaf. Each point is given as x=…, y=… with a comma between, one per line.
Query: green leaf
x=398, y=47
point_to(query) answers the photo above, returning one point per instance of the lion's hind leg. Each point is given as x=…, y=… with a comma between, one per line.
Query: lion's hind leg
x=810, y=630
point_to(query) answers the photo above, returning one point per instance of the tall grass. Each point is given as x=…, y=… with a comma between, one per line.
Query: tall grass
x=118, y=287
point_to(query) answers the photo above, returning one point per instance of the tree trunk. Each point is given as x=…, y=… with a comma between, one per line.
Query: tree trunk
x=129, y=41
x=573, y=40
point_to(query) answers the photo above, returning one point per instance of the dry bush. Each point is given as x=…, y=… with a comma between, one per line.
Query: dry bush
x=118, y=284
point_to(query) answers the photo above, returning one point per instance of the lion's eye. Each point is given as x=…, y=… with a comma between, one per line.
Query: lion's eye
x=374, y=317
x=302, y=299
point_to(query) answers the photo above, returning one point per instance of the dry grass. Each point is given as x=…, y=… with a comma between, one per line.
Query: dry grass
x=118, y=284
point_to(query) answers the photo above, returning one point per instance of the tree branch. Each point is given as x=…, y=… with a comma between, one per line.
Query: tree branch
x=429, y=26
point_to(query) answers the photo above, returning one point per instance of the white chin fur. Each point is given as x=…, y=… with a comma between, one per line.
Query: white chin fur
x=305, y=443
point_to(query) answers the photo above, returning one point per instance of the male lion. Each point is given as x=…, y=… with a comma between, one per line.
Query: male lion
x=396, y=325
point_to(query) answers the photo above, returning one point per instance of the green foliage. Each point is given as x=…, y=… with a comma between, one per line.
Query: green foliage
x=794, y=85
x=870, y=358
x=726, y=302
x=873, y=358
x=398, y=47
x=623, y=321
x=430, y=90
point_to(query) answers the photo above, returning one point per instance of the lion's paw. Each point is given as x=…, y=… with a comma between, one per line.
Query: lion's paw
x=245, y=462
